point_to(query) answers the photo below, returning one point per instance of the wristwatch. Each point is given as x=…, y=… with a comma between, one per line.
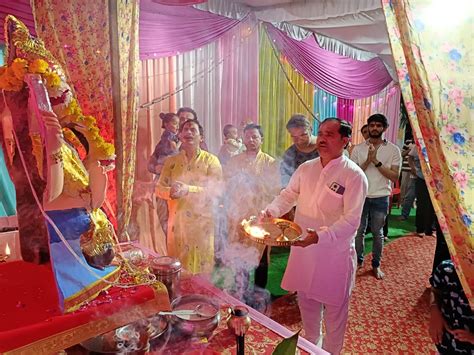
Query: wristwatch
x=378, y=165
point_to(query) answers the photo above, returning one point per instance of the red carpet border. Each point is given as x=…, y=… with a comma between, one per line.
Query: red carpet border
x=388, y=316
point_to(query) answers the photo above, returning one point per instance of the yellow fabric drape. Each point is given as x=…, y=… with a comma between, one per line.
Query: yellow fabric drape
x=125, y=49
x=82, y=47
x=434, y=65
x=277, y=100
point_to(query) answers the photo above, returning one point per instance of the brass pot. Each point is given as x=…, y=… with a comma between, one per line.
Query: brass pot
x=168, y=271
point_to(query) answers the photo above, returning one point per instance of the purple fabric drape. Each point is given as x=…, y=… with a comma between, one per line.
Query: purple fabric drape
x=345, y=109
x=168, y=30
x=341, y=76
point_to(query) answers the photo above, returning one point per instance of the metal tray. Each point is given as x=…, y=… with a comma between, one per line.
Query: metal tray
x=271, y=231
x=113, y=342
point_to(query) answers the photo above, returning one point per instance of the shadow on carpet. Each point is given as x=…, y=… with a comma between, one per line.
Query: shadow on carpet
x=388, y=316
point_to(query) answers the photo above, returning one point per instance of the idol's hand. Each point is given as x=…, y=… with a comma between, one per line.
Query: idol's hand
x=54, y=132
x=86, y=132
x=311, y=238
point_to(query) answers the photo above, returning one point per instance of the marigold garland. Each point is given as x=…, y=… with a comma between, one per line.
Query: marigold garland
x=12, y=79
x=38, y=66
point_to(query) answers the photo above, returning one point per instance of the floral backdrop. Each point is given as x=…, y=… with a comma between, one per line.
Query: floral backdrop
x=432, y=47
x=77, y=34
x=127, y=26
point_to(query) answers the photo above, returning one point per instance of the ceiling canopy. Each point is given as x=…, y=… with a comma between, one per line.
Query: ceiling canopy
x=359, y=24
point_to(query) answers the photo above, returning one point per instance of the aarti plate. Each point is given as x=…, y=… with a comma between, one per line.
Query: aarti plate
x=271, y=231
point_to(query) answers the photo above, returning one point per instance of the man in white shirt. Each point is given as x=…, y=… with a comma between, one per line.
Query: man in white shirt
x=329, y=193
x=380, y=160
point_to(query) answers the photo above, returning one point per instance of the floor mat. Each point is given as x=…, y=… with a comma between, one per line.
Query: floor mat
x=388, y=316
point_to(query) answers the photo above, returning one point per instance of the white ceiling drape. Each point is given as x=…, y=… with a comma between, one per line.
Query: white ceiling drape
x=353, y=28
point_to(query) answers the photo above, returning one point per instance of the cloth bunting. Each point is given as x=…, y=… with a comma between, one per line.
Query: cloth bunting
x=341, y=76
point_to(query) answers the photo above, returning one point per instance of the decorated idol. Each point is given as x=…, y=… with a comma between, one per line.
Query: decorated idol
x=58, y=162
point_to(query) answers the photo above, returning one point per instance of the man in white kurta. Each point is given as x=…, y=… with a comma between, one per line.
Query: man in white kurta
x=329, y=194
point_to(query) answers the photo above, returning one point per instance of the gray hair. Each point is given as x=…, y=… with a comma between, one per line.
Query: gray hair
x=298, y=121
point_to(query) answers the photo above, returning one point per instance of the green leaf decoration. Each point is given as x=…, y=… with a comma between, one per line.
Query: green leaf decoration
x=288, y=345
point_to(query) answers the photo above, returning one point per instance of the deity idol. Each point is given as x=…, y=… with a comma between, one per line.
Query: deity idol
x=59, y=190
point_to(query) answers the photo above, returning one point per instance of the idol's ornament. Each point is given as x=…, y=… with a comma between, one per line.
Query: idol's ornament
x=58, y=162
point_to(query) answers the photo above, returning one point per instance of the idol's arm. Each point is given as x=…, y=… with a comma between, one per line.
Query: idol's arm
x=54, y=158
x=97, y=182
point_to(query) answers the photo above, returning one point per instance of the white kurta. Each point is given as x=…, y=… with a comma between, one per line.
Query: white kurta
x=324, y=271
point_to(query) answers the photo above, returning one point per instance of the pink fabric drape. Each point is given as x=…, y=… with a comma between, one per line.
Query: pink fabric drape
x=239, y=51
x=21, y=9
x=345, y=109
x=168, y=30
x=386, y=102
x=341, y=76
x=179, y=2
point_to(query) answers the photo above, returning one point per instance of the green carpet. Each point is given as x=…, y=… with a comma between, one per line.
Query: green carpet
x=279, y=256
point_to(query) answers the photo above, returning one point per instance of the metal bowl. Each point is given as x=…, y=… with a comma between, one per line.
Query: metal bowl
x=271, y=231
x=196, y=326
x=131, y=338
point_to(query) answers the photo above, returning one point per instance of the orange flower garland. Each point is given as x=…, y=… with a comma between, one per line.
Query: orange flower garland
x=12, y=79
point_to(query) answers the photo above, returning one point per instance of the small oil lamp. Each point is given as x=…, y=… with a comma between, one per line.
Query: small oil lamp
x=6, y=255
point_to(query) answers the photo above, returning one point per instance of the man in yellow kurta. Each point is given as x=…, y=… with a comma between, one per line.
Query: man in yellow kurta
x=252, y=181
x=190, y=182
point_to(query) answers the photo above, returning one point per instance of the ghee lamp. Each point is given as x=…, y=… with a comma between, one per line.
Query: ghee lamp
x=6, y=254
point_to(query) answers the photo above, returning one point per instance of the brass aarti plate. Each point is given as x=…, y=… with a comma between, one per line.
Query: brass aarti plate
x=271, y=231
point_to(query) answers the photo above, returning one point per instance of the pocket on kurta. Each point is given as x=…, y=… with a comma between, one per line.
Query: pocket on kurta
x=330, y=201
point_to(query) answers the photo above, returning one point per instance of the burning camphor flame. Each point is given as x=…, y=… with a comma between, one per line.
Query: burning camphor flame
x=254, y=231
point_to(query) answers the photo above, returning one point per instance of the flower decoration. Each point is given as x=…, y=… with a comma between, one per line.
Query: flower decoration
x=52, y=79
x=19, y=68
x=38, y=66
x=12, y=79
x=458, y=138
x=99, y=148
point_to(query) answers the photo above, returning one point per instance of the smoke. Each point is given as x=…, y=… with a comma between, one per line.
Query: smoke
x=247, y=190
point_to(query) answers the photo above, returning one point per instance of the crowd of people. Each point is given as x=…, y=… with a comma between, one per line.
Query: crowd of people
x=336, y=192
